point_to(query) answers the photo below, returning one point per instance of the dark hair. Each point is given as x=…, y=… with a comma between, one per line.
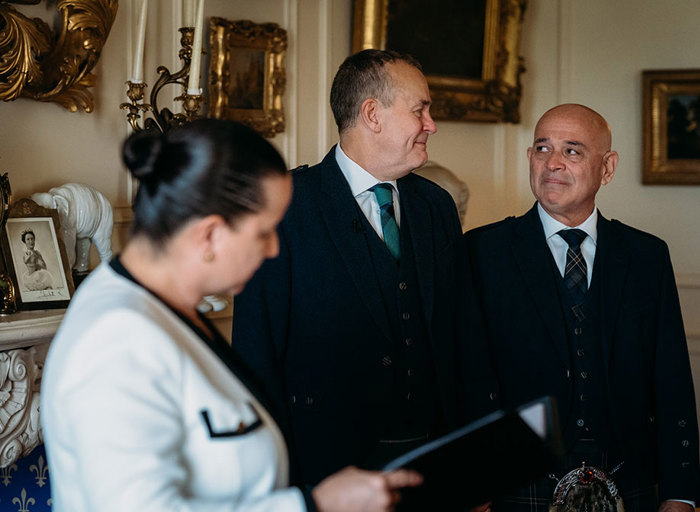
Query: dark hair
x=206, y=167
x=27, y=232
x=363, y=76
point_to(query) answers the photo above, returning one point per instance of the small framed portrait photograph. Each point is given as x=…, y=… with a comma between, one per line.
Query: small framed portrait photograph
x=36, y=258
x=671, y=114
x=247, y=75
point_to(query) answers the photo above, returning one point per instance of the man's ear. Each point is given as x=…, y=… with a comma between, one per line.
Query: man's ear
x=610, y=160
x=369, y=114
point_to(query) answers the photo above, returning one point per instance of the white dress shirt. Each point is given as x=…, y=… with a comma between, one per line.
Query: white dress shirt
x=360, y=182
x=558, y=245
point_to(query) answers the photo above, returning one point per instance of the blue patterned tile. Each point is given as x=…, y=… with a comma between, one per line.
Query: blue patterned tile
x=24, y=485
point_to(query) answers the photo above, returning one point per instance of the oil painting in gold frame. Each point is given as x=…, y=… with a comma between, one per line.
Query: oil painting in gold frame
x=492, y=94
x=247, y=75
x=671, y=117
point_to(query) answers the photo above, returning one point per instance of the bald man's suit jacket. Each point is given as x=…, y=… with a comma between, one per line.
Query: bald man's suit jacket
x=647, y=371
x=313, y=324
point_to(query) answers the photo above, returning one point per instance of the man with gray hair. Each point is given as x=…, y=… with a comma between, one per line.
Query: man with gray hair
x=358, y=327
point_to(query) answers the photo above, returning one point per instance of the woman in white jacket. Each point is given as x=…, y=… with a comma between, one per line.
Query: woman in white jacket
x=144, y=407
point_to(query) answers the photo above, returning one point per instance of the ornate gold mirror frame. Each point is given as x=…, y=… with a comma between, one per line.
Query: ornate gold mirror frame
x=36, y=63
x=495, y=95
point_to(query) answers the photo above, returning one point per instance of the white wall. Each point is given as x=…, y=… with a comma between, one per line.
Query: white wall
x=590, y=52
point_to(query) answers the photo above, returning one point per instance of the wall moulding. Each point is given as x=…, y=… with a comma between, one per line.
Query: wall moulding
x=39, y=64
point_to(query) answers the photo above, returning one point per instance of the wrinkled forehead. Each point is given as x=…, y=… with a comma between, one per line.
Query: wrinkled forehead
x=574, y=124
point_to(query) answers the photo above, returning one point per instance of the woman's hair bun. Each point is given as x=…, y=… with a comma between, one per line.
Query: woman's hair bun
x=140, y=153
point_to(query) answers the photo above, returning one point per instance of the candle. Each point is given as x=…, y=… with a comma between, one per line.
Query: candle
x=193, y=83
x=188, y=13
x=137, y=72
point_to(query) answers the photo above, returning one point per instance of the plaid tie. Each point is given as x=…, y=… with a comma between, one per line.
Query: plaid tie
x=382, y=192
x=576, y=275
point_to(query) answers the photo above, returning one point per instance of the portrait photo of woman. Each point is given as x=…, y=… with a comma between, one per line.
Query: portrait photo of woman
x=36, y=262
x=35, y=277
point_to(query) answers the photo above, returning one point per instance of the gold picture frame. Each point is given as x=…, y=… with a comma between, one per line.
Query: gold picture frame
x=491, y=95
x=671, y=127
x=47, y=281
x=247, y=75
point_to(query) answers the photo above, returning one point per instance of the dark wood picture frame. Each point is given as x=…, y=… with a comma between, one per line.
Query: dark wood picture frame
x=54, y=287
x=247, y=75
x=494, y=95
x=671, y=127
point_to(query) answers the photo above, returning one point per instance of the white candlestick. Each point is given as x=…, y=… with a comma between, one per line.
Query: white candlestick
x=137, y=72
x=193, y=82
x=188, y=13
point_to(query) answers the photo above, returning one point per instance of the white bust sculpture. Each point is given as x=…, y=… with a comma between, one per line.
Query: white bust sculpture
x=86, y=216
x=450, y=182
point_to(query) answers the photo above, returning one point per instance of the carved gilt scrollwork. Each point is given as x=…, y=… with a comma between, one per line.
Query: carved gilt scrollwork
x=35, y=63
x=20, y=382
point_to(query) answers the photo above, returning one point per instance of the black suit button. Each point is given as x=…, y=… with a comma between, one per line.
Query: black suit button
x=386, y=361
x=681, y=423
x=411, y=372
x=309, y=400
x=685, y=443
x=578, y=331
x=583, y=397
x=580, y=352
x=685, y=464
x=580, y=422
x=408, y=341
x=406, y=316
x=584, y=375
x=409, y=396
x=492, y=396
x=403, y=286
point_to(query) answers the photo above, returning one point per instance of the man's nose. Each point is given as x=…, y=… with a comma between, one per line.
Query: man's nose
x=428, y=124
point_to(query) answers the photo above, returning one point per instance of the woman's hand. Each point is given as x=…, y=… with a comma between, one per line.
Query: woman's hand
x=353, y=489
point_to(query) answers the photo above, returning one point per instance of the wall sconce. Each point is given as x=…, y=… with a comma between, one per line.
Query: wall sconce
x=190, y=54
x=164, y=119
x=54, y=68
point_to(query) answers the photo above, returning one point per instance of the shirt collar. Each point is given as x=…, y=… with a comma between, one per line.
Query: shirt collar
x=358, y=179
x=552, y=226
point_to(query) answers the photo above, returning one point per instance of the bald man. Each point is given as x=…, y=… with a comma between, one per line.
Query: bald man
x=586, y=309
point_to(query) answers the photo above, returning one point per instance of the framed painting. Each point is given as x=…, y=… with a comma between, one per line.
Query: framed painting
x=671, y=127
x=35, y=257
x=247, y=75
x=469, y=51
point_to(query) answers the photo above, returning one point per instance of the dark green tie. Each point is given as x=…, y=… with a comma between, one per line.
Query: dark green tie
x=382, y=192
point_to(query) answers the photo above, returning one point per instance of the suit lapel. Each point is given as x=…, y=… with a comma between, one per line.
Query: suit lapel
x=534, y=261
x=342, y=217
x=612, y=261
x=415, y=213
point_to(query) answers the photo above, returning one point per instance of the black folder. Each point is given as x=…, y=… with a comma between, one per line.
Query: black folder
x=486, y=458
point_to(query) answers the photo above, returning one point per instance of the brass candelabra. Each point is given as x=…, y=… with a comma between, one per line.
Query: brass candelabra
x=164, y=119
